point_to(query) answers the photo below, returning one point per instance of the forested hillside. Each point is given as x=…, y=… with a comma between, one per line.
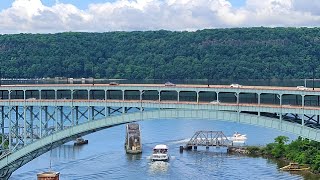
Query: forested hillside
x=240, y=53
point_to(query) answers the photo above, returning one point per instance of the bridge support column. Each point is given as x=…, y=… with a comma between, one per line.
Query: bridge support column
x=40, y=122
x=88, y=109
x=56, y=119
x=217, y=96
x=25, y=124
x=237, y=97
x=2, y=127
x=279, y=96
x=46, y=119
x=123, y=108
x=17, y=123
x=72, y=108
x=159, y=93
x=61, y=117
x=92, y=112
x=302, y=104
x=77, y=115
x=259, y=101
x=106, y=107
x=10, y=129
x=238, y=108
x=178, y=99
x=197, y=97
x=31, y=122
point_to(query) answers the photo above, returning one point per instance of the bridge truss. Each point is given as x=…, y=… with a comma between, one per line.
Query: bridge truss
x=23, y=125
x=47, y=117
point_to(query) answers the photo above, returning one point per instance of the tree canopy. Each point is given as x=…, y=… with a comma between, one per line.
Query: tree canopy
x=237, y=53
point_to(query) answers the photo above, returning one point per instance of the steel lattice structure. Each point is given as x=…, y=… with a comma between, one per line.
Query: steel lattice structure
x=37, y=118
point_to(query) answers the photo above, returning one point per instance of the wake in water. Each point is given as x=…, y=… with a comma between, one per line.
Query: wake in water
x=158, y=166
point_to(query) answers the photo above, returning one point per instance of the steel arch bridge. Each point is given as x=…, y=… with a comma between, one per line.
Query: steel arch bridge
x=27, y=153
x=37, y=118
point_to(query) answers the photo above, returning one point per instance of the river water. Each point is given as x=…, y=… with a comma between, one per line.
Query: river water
x=105, y=158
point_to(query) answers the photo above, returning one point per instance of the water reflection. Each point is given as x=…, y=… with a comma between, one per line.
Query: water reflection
x=133, y=157
x=66, y=151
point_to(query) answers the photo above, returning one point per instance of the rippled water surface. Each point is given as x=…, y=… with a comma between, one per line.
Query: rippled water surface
x=105, y=158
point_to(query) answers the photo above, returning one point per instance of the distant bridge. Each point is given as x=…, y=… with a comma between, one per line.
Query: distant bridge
x=37, y=118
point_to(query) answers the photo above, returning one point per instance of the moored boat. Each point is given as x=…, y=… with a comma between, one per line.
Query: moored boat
x=160, y=153
x=50, y=175
x=295, y=167
x=237, y=137
x=80, y=141
x=133, y=139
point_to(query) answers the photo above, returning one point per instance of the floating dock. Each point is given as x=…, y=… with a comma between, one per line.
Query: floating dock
x=133, y=139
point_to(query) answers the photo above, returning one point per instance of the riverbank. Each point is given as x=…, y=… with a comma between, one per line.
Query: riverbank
x=301, y=151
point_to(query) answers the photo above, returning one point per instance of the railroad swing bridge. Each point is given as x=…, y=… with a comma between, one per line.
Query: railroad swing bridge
x=37, y=118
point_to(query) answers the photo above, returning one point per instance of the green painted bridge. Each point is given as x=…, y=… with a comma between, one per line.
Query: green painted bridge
x=37, y=118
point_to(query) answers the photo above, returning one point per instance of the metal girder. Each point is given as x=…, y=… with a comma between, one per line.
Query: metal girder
x=208, y=138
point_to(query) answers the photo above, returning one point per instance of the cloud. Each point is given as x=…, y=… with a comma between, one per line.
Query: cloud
x=131, y=15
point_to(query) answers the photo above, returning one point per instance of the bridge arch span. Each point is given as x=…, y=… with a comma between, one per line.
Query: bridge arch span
x=24, y=155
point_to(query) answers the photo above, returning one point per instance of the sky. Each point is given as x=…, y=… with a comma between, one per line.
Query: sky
x=51, y=16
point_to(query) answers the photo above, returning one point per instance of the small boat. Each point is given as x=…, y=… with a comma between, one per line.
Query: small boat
x=160, y=153
x=48, y=175
x=295, y=167
x=237, y=137
x=80, y=141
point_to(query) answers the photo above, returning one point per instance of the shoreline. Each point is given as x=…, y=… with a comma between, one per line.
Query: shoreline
x=255, y=152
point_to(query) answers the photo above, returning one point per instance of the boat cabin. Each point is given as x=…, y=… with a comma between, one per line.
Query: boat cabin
x=161, y=148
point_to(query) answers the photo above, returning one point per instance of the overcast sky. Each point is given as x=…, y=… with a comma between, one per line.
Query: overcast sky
x=49, y=16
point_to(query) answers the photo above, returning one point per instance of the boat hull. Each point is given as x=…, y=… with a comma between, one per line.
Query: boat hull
x=81, y=143
x=157, y=158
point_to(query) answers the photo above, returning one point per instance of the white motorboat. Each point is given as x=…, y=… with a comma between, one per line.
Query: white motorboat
x=160, y=153
x=237, y=137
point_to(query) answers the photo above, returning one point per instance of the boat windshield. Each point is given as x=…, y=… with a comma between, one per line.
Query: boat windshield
x=162, y=151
